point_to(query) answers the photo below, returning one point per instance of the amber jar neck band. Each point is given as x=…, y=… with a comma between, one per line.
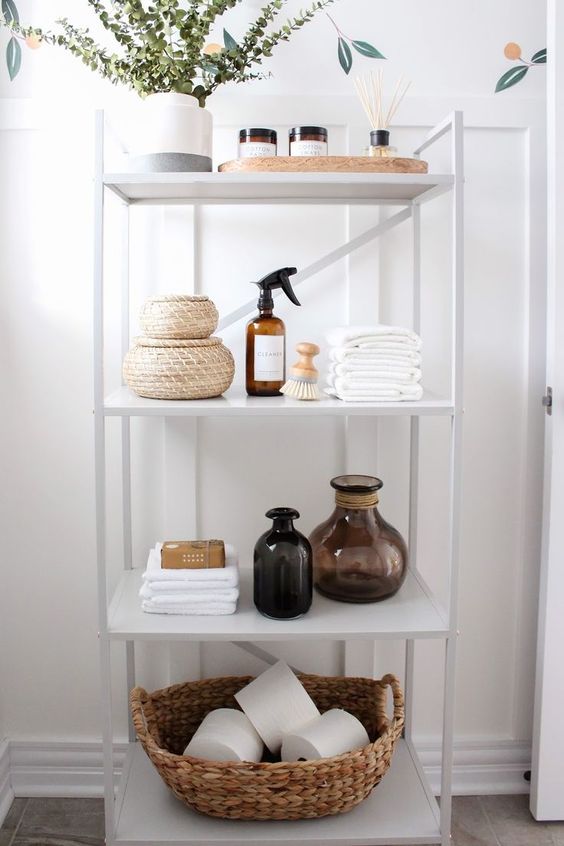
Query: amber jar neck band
x=356, y=500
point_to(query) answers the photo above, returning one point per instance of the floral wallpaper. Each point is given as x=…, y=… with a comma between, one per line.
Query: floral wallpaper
x=519, y=71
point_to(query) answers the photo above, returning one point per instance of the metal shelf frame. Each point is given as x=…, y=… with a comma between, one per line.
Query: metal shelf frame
x=118, y=618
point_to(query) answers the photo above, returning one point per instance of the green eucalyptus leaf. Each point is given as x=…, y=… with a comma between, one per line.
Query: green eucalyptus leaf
x=10, y=11
x=345, y=55
x=540, y=57
x=229, y=41
x=13, y=57
x=366, y=49
x=510, y=78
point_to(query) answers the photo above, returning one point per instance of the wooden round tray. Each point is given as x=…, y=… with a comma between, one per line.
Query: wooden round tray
x=324, y=164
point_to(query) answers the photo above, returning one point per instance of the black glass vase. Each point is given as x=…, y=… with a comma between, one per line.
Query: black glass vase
x=283, y=576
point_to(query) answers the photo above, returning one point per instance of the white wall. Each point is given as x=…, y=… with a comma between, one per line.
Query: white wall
x=47, y=603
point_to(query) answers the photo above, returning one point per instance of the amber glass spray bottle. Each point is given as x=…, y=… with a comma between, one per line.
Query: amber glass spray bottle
x=266, y=338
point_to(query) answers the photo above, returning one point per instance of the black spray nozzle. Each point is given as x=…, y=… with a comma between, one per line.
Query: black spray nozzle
x=277, y=279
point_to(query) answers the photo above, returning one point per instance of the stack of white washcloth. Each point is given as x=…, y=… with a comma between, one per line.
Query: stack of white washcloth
x=206, y=591
x=374, y=364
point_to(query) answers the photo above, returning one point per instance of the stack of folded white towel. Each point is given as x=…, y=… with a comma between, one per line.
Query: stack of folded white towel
x=374, y=364
x=208, y=591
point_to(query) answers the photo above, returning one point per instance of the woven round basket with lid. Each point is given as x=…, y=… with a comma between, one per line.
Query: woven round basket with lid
x=178, y=316
x=166, y=720
x=178, y=369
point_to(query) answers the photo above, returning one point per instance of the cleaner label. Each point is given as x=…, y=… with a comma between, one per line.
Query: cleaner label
x=269, y=358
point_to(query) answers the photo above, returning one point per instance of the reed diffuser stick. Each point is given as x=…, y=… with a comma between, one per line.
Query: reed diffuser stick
x=370, y=92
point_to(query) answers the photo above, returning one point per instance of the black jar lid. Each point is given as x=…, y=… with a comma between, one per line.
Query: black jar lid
x=380, y=138
x=357, y=484
x=308, y=130
x=254, y=132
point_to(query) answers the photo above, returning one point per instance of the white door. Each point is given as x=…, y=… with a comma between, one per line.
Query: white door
x=547, y=786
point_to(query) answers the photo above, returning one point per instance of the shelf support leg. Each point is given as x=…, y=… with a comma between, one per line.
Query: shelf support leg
x=181, y=520
x=100, y=476
x=126, y=454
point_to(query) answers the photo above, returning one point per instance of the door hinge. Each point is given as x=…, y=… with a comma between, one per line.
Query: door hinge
x=547, y=400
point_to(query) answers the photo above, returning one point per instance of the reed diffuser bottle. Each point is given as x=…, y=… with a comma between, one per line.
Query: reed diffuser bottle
x=370, y=90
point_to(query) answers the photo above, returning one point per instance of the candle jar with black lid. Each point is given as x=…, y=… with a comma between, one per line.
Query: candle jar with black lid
x=357, y=556
x=283, y=573
x=308, y=141
x=257, y=142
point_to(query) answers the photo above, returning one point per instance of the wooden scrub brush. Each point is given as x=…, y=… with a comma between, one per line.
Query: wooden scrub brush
x=302, y=383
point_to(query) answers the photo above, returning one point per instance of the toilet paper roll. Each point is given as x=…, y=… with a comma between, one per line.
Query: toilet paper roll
x=277, y=703
x=226, y=735
x=333, y=733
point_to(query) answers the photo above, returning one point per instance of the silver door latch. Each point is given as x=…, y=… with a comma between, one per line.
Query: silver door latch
x=547, y=400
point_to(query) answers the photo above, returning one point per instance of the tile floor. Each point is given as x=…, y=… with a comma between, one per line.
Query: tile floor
x=478, y=821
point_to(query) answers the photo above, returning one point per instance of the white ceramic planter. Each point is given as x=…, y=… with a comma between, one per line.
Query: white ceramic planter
x=171, y=132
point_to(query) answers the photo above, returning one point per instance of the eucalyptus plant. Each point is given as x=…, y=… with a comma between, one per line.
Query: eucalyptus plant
x=163, y=44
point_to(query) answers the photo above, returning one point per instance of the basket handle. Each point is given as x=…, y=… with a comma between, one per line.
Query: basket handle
x=383, y=720
x=138, y=698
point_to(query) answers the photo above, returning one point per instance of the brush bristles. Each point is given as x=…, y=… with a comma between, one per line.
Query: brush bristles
x=301, y=389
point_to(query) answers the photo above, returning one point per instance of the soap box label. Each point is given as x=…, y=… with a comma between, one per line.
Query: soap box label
x=269, y=358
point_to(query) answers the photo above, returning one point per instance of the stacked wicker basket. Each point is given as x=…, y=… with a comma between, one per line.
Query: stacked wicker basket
x=166, y=720
x=178, y=358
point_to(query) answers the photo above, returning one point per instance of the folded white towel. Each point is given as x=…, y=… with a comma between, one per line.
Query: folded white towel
x=386, y=350
x=196, y=597
x=343, y=386
x=202, y=579
x=376, y=375
x=219, y=608
x=368, y=362
x=379, y=333
x=391, y=393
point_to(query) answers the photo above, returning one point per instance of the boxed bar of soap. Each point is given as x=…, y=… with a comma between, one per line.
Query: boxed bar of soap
x=192, y=555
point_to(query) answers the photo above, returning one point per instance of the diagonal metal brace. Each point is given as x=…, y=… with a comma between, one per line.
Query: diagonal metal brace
x=262, y=654
x=323, y=263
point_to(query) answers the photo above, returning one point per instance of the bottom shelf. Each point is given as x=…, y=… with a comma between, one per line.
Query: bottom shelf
x=401, y=811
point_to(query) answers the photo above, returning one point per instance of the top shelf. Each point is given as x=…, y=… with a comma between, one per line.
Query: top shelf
x=320, y=188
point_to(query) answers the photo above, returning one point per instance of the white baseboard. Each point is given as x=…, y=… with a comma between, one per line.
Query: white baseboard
x=60, y=769
x=479, y=769
x=75, y=769
x=6, y=791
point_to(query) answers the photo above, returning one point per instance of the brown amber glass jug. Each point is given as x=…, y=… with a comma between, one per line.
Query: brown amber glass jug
x=357, y=556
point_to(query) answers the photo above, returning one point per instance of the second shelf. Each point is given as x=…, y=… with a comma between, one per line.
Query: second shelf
x=412, y=613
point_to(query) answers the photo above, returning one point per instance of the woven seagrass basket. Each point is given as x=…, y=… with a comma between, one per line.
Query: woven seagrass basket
x=166, y=720
x=178, y=316
x=163, y=368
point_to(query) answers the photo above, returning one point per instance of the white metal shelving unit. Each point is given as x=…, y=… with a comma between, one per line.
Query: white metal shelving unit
x=402, y=810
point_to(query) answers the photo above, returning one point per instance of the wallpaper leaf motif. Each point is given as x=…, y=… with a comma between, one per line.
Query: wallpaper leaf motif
x=345, y=55
x=366, y=49
x=513, y=52
x=510, y=78
x=13, y=48
x=10, y=11
x=344, y=52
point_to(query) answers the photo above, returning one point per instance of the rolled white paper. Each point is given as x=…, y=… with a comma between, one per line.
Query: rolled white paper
x=226, y=735
x=277, y=703
x=333, y=733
